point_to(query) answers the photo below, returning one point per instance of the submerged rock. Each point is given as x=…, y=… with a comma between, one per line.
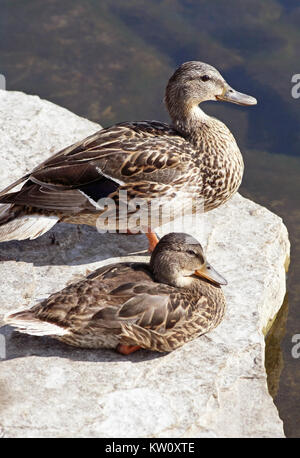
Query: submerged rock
x=214, y=386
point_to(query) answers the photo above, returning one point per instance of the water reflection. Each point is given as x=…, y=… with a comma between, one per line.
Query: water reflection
x=274, y=358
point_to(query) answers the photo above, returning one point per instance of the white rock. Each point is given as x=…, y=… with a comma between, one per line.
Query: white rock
x=214, y=386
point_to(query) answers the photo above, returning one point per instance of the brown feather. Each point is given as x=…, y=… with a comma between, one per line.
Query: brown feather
x=123, y=303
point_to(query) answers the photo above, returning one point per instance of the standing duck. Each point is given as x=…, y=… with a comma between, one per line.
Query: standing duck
x=127, y=306
x=196, y=157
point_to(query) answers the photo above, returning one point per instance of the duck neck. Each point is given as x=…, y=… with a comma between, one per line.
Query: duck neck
x=190, y=121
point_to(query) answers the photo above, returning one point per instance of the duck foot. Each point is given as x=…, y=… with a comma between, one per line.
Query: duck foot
x=152, y=237
x=127, y=349
x=153, y=241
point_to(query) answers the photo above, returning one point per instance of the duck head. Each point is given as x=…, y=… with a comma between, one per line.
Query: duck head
x=178, y=260
x=195, y=82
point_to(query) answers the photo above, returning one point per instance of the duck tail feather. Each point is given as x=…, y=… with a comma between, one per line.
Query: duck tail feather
x=25, y=322
x=16, y=225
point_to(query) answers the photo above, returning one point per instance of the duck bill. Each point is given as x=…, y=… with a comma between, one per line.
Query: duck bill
x=209, y=273
x=230, y=95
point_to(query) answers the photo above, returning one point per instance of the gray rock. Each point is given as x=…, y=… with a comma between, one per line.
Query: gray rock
x=214, y=386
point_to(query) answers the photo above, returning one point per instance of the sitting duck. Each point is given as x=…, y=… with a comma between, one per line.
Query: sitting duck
x=127, y=306
x=195, y=157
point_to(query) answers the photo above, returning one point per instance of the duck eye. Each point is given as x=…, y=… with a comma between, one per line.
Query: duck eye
x=191, y=252
x=205, y=78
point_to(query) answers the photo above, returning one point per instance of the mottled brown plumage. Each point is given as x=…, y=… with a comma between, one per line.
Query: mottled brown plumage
x=157, y=306
x=194, y=157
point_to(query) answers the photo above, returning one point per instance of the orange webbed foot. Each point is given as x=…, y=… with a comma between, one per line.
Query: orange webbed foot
x=153, y=241
x=127, y=349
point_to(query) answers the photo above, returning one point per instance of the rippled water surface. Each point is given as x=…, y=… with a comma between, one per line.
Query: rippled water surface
x=109, y=61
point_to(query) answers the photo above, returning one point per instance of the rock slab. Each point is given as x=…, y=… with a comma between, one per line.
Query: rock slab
x=214, y=386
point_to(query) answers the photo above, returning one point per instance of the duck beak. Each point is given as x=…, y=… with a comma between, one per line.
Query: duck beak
x=230, y=95
x=208, y=272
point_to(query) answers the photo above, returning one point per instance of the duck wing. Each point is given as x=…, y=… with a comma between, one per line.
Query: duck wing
x=134, y=301
x=120, y=300
x=116, y=294
x=143, y=157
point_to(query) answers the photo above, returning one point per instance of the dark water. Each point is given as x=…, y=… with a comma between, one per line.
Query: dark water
x=109, y=61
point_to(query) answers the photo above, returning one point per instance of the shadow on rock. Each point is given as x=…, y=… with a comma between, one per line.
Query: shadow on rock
x=18, y=345
x=68, y=244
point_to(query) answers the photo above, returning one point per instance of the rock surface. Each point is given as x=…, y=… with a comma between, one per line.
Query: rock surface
x=214, y=386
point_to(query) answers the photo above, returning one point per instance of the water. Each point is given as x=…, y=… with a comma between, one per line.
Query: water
x=109, y=61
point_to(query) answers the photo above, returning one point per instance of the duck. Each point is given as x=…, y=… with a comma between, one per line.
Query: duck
x=195, y=158
x=126, y=306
